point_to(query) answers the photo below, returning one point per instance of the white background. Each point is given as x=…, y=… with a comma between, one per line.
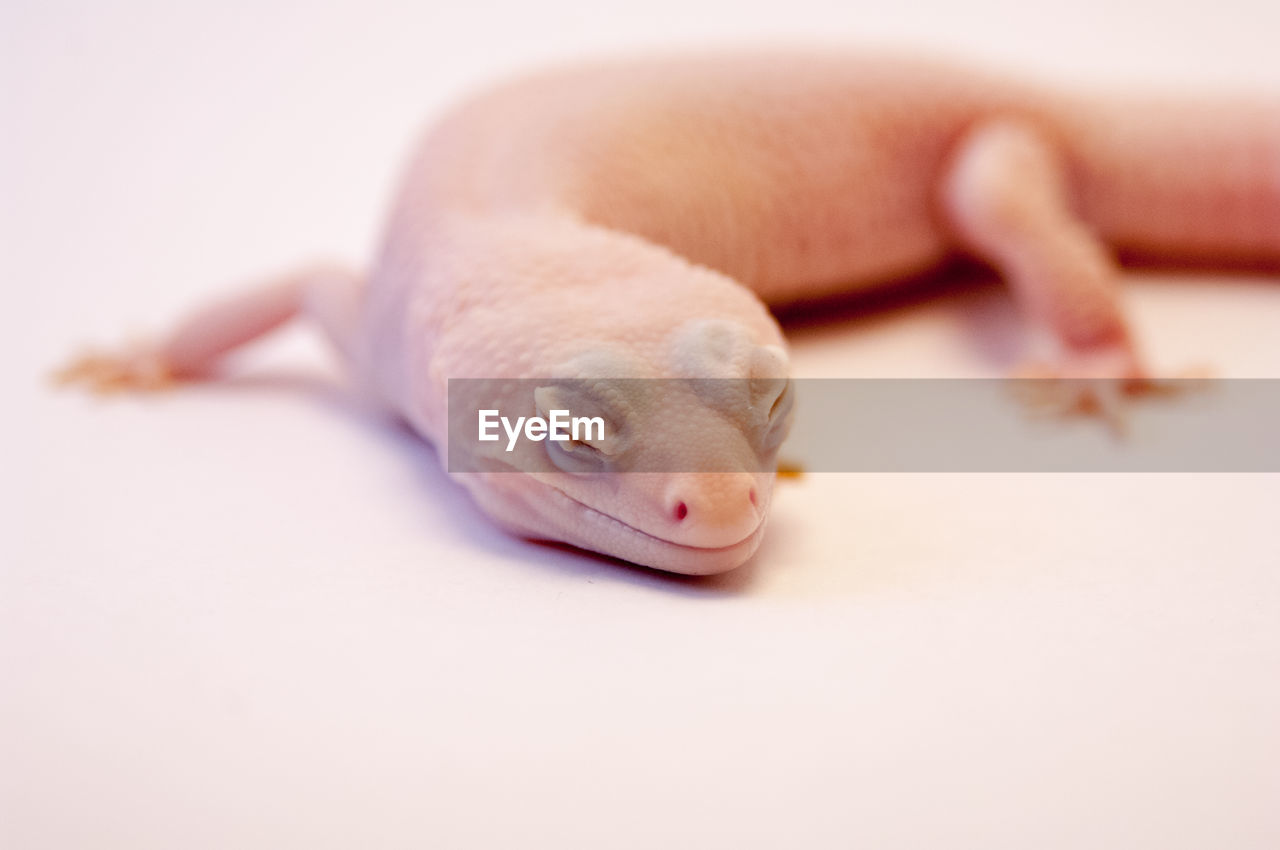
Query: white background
x=252, y=615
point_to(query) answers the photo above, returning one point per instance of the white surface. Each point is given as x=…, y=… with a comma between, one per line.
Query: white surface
x=250, y=616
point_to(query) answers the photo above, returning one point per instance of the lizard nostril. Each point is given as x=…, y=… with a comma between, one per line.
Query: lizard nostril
x=682, y=511
x=752, y=497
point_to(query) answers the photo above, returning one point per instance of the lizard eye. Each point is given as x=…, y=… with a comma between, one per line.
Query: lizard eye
x=592, y=432
x=584, y=454
x=577, y=455
x=777, y=397
x=783, y=403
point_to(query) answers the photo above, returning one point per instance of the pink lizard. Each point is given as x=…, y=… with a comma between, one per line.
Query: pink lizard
x=634, y=219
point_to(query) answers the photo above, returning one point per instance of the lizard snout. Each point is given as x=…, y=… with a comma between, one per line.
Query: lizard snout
x=712, y=509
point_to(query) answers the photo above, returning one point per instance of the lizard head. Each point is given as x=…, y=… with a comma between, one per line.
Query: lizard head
x=678, y=474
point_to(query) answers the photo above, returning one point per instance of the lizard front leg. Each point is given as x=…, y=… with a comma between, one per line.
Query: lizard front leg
x=193, y=348
x=1005, y=197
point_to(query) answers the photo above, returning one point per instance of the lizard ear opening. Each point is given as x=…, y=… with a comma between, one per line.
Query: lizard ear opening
x=772, y=393
x=768, y=380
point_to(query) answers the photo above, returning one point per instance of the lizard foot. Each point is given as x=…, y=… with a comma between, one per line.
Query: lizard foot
x=1098, y=384
x=135, y=368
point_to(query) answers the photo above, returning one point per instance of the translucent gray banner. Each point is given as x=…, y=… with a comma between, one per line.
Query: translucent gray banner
x=861, y=425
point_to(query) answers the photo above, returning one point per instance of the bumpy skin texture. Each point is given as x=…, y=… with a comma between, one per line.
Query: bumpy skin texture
x=633, y=219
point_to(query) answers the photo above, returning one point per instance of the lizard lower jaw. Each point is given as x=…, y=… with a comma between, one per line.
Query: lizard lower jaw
x=600, y=532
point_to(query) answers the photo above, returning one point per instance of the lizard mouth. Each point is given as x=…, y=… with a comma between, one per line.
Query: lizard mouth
x=602, y=532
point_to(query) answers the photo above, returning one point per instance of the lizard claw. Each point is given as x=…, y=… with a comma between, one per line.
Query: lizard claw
x=1098, y=384
x=135, y=368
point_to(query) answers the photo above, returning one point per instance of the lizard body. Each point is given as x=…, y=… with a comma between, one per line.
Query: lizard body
x=634, y=219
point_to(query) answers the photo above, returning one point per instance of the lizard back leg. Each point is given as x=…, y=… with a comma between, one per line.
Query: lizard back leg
x=1006, y=197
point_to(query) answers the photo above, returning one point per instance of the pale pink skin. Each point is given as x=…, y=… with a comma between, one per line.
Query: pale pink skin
x=635, y=219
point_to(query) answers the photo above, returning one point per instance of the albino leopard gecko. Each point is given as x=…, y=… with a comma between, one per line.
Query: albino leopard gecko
x=634, y=219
